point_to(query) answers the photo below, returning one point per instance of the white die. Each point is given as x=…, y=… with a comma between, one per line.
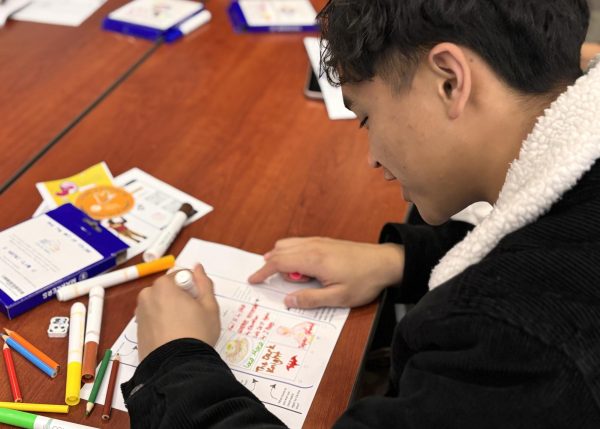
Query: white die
x=59, y=327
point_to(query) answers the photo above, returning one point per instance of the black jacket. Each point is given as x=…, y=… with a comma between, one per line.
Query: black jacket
x=511, y=342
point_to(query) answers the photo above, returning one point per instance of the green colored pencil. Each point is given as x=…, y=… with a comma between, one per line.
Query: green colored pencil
x=98, y=381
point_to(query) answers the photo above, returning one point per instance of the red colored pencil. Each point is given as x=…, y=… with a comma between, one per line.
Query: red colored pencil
x=110, y=390
x=12, y=374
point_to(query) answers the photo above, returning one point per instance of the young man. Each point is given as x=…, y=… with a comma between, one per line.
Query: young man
x=464, y=101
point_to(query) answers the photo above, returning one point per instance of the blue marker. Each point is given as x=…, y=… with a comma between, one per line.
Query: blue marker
x=186, y=27
x=29, y=356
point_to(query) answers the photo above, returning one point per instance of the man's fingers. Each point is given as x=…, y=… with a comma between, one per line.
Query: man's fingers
x=296, y=260
x=263, y=273
x=204, y=284
x=332, y=296
x=286, y=243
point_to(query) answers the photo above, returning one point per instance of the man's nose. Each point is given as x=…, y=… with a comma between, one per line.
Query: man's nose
x=372, y=162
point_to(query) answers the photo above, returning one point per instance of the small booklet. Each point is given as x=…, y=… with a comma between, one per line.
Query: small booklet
x=152, y=19
x=273, y=15
x=44, y=253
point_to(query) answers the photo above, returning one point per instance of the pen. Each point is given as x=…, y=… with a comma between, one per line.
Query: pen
x=186, y=27
x=78, y=289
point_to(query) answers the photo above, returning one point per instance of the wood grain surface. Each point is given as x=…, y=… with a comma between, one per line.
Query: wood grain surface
x=49, y=74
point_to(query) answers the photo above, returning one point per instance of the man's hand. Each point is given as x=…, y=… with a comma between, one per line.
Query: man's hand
x=166, y=312
x=353, y=273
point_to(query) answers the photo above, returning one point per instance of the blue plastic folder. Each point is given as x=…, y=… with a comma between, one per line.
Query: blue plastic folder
x=152, y=19
x=274, y=16
x=42, y=254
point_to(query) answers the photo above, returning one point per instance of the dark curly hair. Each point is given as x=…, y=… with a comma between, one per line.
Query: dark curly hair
x=533, y=45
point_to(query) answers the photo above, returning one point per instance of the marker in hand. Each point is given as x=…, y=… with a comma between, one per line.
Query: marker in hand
x=185, y=280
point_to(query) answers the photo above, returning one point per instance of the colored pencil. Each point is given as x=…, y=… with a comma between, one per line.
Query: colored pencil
x=40, y=408
x=29, y=356
x=33, y=349
x=97, y=382
x=112, y=381
x=12, y=374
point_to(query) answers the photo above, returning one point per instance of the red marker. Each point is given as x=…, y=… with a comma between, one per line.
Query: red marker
x=297, y=277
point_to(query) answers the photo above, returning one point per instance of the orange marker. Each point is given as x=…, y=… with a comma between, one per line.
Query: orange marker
x=113, y=278
x=33, y=349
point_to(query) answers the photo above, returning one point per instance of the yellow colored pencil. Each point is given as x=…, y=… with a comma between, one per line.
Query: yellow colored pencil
x=44, y=408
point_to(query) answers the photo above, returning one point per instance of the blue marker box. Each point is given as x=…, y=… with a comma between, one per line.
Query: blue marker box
x=152, y=19
x=42, y=254
x=273, y=16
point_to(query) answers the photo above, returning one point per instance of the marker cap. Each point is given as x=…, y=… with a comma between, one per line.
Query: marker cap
x=185, y=280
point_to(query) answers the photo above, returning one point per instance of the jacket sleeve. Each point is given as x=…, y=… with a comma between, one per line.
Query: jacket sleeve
x=185, y=384
x=471, y=372
x=424, y=246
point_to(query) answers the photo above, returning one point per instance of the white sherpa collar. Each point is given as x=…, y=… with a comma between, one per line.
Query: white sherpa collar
x=563, y=145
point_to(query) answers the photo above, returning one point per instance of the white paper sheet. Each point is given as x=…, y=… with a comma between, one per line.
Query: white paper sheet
x=58, y=12
x=159, y=14
x=332, y=95
x=278, y=12
x=278, y=354
x=9, y=7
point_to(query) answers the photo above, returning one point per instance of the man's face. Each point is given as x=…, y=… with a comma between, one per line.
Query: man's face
x=412, y=139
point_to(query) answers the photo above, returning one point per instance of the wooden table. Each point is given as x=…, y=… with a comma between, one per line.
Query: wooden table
x=222, y=116
x=49, y=75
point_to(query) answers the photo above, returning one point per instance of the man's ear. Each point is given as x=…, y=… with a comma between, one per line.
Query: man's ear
x=450, y=65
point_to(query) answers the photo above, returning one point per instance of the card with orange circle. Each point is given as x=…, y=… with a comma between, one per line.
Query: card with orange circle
x=104, y=202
